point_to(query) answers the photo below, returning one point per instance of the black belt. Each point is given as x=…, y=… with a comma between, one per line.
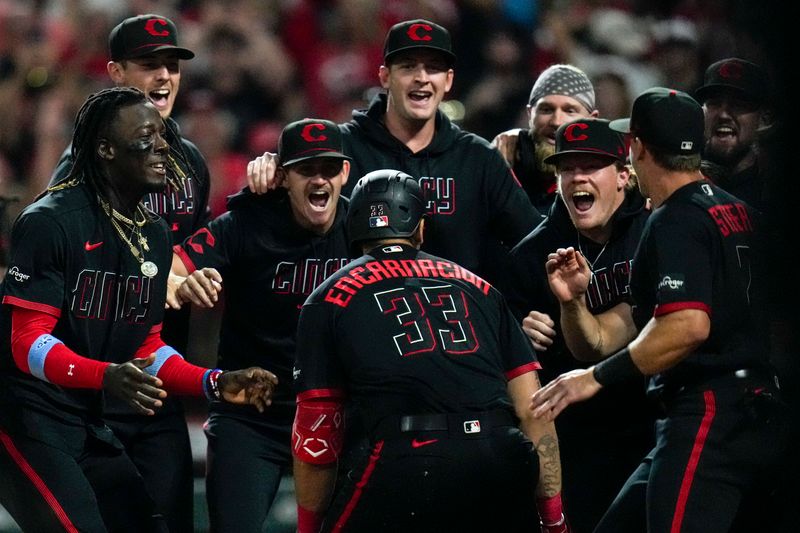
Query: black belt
x=666, y=392
x=454, y=423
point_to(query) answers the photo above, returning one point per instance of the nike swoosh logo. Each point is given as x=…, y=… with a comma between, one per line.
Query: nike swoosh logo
x=420, y=443
x=89, y=246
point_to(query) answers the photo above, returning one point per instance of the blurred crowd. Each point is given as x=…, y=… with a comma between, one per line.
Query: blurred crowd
x=263, y=63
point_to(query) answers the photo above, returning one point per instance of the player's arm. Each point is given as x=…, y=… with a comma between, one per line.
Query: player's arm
x=543, y=435
x=262, y=173
x=506, y=143
x=589, y=337
x=664, y=342
x=317, y=437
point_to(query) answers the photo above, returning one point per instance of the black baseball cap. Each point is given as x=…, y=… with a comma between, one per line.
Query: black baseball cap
x=418, y=33
x=142, y=35
x=309, y=138
x=735, y=75
x=588, y=136
x=666, y=118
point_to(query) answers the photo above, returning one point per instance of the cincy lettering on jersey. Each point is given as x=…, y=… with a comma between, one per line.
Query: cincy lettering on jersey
x=371, y=272
x=439, y=194
x=609, y=285
x=731, y=218
x=302, y=277
x=176, y=201
x=110, y=296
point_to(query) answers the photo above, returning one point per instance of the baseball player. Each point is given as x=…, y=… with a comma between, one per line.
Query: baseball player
x=560, y=94
x=601, y=213
x=145, y=54
x=692, y=329
x=271, y=251
x=735, y=98
x=472, y=200
x=83, y=303
x=430, y=359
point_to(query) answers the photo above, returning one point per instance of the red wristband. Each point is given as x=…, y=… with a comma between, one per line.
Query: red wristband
x=551, y=510
x=308, y=521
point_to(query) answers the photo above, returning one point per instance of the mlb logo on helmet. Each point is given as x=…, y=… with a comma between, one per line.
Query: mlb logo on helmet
x=378, y=222
x=472, y=426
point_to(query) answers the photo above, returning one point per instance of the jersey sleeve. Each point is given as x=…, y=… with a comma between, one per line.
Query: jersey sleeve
x=35, y=276
x=512, y=214
x=317, y=370
x=682, y=284
x=212, y=246
x=517, y=352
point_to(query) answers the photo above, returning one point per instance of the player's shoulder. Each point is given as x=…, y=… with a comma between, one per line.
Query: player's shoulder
x=61, y=204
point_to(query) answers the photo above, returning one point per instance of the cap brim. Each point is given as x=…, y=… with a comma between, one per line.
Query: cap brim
x=330, y=155
x=622, y=125
x=707, y=91
x=553, y=158
x=182, y=53
x=450, y=55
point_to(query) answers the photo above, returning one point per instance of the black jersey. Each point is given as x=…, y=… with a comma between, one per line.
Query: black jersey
x=719, y=233
x=269, y=266
x=68, y=261
x=400, y=331
x=527, y=289
x=472, y=198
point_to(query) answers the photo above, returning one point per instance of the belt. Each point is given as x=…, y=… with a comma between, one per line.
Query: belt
x=664, y=393
x=454, y=423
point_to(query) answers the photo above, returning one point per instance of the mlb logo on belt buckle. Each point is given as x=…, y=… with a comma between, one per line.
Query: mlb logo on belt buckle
x=472, y=426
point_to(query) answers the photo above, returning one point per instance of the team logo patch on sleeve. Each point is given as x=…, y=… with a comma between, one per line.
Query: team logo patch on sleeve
x=671, y=283
x=472, y=426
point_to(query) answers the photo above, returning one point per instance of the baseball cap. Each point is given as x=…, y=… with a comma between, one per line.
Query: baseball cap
x=418, y=33
x=309, y=138
x=666, y=118
x=736, y=75
x=144, y=34
x=588, y=136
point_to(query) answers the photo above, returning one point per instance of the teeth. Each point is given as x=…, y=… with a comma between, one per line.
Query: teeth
x=579, y=194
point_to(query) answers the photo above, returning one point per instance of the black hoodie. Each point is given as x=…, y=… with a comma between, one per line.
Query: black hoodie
x=269, y=265
x=473, y=200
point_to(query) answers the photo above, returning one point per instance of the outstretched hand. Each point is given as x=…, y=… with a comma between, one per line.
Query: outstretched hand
x=262, y=173
x=568, y=274
x=566, y=389
x=251, y=386
x=139, y=389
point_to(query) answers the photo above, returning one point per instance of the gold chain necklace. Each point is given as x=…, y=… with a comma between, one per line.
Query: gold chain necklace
x=148, y=268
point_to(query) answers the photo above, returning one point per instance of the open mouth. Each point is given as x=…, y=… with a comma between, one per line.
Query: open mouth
x=583, y=201
x=159, y=97
x=319, y=199
x=724, y=132
x=419, y=96
x=160, y=168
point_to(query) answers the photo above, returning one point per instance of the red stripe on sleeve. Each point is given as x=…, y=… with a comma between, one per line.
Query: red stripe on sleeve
x=25, y=304
x=180, y=377
x=183, y=256
x=320, y=393
x=666, y=309
x=524, y=369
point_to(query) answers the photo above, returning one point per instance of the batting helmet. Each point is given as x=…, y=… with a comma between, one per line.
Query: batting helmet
x=384, y=204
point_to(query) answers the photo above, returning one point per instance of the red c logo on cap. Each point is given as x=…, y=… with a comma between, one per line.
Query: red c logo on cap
x=731, y=70
x=307, y=133
x=414, y=28
x=150, y=27
x=570, y=135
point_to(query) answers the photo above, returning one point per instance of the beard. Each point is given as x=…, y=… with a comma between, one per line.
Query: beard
x=543, y=149
x=726, y=156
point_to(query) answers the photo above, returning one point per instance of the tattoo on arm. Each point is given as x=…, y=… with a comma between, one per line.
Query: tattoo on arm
x=549, y=466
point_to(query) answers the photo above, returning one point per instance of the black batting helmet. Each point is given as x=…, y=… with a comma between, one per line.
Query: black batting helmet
x=384, y=204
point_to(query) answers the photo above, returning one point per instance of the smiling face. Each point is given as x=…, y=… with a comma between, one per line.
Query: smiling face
x=730, y=128
x=592, y=189
x=417, y=81
x=158, y=75
x=314, y=186
x=135, y=151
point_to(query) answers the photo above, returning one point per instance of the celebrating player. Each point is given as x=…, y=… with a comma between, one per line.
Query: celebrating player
x=83, y=304
x=271, y=251
x=693, y=330
x=430, y=359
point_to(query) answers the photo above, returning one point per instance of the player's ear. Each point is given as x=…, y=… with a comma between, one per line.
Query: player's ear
x=116, y=72
x=105, y=149
x=345, y=171
x=419, y=233
x=383, y=76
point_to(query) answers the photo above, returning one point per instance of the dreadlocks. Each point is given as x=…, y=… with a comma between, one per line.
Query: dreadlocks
x=90, y=126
